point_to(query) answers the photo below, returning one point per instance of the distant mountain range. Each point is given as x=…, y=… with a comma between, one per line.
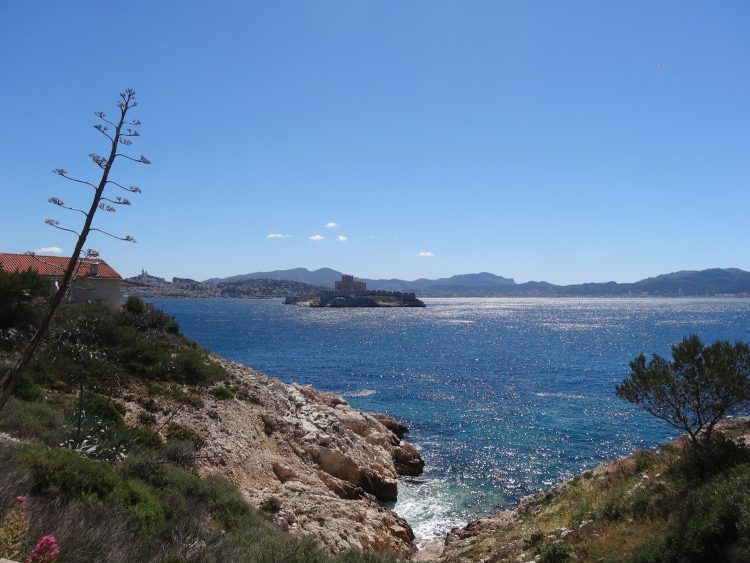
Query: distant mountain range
x=715, y=281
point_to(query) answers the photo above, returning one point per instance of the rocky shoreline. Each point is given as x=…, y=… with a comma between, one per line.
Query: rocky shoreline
x=314, y=464
x=319, y=467
x=490, y=534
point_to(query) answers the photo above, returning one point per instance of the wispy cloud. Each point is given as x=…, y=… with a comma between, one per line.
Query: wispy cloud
x=342, y=238
x=426, y=254
x=317, y=237
x=332, y=225
x=278, y=235
x=49, y=250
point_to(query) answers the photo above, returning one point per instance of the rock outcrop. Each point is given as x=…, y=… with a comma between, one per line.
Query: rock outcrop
x=308, y=459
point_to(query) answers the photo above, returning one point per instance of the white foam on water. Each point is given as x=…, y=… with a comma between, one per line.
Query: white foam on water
x=360, y=393
x=430, y=506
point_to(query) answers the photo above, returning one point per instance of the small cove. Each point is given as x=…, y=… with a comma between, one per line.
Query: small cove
x=504, y=396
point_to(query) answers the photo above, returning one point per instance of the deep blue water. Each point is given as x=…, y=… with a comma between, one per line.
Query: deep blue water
x=503, y=396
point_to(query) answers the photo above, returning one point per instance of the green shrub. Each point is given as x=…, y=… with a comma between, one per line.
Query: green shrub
x=644, y=460
x=653, y=550
x=154, y=389
x=135, y=305
x=144, y=510
x=179, y=452
x=103, y=408
x=553, y=552
x=23, y=297
x=144, y=358
x=147, y=438
x=222, y=393
x=186, y=398
x=699, y=464
x=714, y=517
x=611, y=510
x=33, y=420
x=26, y=389
x=145, y=317
x=179, y=432
x=66, y=474
x=191, y=366
x=640, y=503
x=146, y=419
x=149, y=405
x=534, y=540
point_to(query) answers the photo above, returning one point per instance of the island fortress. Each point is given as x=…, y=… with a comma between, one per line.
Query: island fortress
x=350, y=293
x=347, y=283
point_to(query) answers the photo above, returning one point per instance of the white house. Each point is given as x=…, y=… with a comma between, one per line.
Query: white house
x=95, y=280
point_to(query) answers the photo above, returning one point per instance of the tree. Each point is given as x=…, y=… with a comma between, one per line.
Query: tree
x=124, y=130
x=699, y=387
x=23, y=296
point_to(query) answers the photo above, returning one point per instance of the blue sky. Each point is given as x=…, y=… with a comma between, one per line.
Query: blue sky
x=559, y=141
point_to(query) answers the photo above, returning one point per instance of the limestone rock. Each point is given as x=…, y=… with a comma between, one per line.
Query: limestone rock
x=308, y=459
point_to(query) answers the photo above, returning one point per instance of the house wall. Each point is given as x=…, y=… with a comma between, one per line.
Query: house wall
x=84, y=290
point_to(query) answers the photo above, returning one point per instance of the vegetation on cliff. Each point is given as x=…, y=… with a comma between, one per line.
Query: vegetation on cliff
x=686, y=502
x=109, y=484
x=675, y=504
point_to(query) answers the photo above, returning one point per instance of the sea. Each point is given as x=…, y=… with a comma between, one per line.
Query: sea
x=503, y=396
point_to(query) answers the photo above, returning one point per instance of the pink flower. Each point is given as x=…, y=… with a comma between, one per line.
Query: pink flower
x=20, y=499
x=46, y=551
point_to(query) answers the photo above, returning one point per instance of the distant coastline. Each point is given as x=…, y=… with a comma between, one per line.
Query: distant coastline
x=300, y=282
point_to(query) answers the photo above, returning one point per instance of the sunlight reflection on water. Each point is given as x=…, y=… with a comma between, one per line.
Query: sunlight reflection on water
x=503, y=396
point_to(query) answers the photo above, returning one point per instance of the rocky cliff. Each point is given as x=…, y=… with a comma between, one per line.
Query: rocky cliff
x=603, y=514
x=316, y=465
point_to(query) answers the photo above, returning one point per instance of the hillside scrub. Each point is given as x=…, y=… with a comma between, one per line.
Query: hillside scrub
x=677, y=504
x=112, y=487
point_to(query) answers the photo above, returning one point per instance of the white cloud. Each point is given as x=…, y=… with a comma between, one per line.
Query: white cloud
x=342, y=238
x=317, y=237
x=278, y=235
x=332, y=225
x=49, y=250
x=426, y=254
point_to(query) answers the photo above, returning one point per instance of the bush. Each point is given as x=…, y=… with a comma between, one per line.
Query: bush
x=66, y=474
x=179, y=452
x=699, y=464
x=645, y=460
x=26, y=389
x=653, y=550
x=534, y=540
x=147, y=438
x=186, y=398
x=144, y=316
x=191, y=366
x=222, y=393
x=554, y=552
x=713, y=519
x=179, y=432
x=33, y=420
x=146, y=419
x=611, y=510
x=23, y=298
x=103, y=408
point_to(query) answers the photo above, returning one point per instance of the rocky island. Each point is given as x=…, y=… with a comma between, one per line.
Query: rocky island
x=350, y=293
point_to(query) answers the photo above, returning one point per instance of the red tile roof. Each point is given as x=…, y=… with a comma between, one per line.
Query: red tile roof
x=54, y=265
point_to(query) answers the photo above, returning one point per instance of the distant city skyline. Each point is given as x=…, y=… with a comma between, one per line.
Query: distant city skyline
x=580, y=142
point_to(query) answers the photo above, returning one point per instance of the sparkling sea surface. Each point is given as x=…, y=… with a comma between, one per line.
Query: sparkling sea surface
x=503, y=396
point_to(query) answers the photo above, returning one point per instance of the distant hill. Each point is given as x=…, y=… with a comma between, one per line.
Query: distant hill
x=146, y=284
x=716, y=281
x=321, y=277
